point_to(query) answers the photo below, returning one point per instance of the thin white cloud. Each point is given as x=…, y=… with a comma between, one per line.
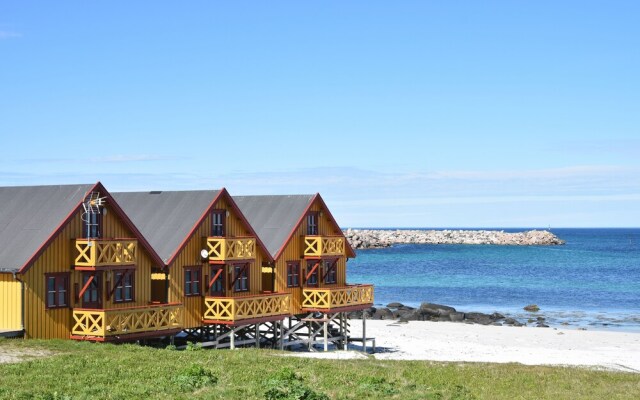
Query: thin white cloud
x=9, y=35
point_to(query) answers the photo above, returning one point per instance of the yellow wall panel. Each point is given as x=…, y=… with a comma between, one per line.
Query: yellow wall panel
x=10, y=303
x=59, y=257
x=190, y=256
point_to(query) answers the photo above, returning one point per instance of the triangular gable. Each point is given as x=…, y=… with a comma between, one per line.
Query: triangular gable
x=77, y=208
x=171, y=218
x=277, y=218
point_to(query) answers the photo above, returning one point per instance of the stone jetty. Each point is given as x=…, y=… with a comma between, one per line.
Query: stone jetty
x=376, y=238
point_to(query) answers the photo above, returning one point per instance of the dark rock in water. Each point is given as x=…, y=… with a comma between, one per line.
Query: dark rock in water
x=509, y=321
x=383, y=313
x=542, y=325
x=478, y=318
x=437, y=310
x=406, y=308
x=496, y=316
x=400, y=313
x=564, y=323
x=414, y=315
x=456, y=316
x=496, y=324
x=532, y=308
x=530, y=320
x=395, y=305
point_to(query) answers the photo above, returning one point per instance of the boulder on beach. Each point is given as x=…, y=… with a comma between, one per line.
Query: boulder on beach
x=436, y=310
x=532, y=308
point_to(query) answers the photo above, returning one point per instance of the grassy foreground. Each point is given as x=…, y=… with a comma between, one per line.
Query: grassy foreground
x=80, y=370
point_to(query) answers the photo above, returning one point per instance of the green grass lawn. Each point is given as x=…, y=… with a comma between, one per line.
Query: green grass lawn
x=81, y=370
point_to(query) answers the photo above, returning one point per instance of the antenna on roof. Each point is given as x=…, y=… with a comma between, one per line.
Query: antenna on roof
x=92, y=208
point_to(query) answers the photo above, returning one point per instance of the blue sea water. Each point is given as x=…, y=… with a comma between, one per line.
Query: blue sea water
x=593, y=281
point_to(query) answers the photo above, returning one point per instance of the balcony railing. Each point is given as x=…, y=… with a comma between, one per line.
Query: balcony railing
x=226, y=249
x=333, y=299
x=236, y=309
x=320, y=246
x=100, y=324
x=105, y=252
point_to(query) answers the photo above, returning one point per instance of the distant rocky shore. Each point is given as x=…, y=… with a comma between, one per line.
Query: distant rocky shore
x=376, y=238
x=439, y=312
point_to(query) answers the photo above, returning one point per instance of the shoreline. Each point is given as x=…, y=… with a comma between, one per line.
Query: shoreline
x=455, y=342
x=593, y=320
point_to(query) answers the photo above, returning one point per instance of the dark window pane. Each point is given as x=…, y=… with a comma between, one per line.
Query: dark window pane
x=51, y=299
x=51, y=283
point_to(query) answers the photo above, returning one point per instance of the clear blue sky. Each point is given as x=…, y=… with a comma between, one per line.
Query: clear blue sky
x=501, y=114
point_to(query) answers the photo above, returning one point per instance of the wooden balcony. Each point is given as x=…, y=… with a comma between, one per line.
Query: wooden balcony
x=129, y=322
x=231, y=249
x=320, y=246
x=246, y=309
x=105, y=252
x=346, y=298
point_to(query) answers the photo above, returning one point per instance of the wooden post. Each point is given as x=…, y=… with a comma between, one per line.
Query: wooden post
x=364, y=331
x=326, y=334
x=257, y=336
x=345, y=334
x=281, y=335
x=310, y=335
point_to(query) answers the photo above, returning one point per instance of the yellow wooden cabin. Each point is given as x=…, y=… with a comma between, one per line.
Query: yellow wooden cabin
x=309, y=250
x=213, y=259
x=73, y=265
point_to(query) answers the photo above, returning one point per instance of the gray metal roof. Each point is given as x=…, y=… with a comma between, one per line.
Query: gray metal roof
x=165, y=219
x=29, y=215
x=273, y=217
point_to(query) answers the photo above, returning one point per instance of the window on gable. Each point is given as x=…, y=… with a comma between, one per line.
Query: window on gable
x=57, y=290
x=218, y=222
x=312, y=223
x=293, y=274
x=92, y=226
x=192, y=281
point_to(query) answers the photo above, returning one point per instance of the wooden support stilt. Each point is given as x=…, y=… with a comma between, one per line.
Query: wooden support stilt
x=281, y=335
x=326, y=335
x=364, y=331
x=232, y=337
x=257, y=336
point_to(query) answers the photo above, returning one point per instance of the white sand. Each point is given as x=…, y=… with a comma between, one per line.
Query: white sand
x=448, y=341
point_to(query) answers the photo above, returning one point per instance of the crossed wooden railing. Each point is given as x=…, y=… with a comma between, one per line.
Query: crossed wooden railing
x=238, y=248
x=102, y=323
x=103, y=252
x=233, y=309
x=319, y=246
x=333, y=298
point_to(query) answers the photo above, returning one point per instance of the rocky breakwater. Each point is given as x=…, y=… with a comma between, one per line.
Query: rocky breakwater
x=376, y=238
x=438, y=312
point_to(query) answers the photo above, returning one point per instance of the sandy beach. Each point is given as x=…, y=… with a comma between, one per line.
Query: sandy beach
x=448, y=341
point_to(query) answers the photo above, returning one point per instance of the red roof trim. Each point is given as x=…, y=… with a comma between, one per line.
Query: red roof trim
x=129, y=224
x=193, y=230
x=350, y=252
x=121, y=214
x=240, y=215
x=55, y=233
x=296, y=226
x=223, y=193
